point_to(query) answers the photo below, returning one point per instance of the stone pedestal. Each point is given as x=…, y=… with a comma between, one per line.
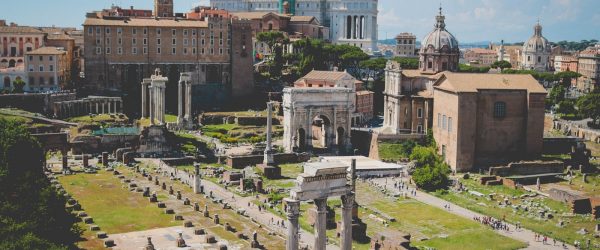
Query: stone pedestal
x=105, y=159
x=85, y=160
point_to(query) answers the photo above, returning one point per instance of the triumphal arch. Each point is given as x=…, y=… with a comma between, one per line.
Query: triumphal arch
x=317, y=118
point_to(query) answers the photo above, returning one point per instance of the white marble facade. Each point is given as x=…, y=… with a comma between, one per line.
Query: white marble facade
x=350, y=21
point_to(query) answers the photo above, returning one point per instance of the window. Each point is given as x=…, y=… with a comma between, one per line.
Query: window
x=193, y=41
x=174, y=42
x=185, y=32
x=98, y=30
x=444, y=122
x=133, y=41
x=174, y=32
x=145, y=31
x=90, y=30
x=107, y=30
x=158, y=31
x=539, y=59
x=439, y=120
x=158, y=50
x=173, y=50
x=499, y=109
x=134, y=31
x=119, y=50
x=449, y=124
x=134, y=50
x=119, y=31
x=41, y=58
x=194, y=51
x=107, y=50
x=145, y=41
x=185, y=51
x=419, y=129
x=98, y=42
x=419, y=113
x=98, y=50
x=429, y=65
x=41, y=68
x=193, y=32
x=31, y=68
x=108, y=41
x=185, y=42
x=30, y=58
x=50, y=58
x=158, y=41
x=51, y=69
x=119, y=41
x=145, y=50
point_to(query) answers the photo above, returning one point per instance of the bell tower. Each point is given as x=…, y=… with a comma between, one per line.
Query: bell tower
x=163, y=8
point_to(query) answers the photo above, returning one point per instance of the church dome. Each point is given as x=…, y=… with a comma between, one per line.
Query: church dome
x=440, y=37
x=537, y=42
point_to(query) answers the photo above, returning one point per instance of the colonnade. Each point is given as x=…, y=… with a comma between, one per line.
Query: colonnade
x=184, y=93
x=89, y=105
x=153, y=98
x=356, y=27
x=320, y=229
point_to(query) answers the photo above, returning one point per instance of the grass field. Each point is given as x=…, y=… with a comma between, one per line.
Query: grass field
x=233, y=133
x=289, y=172
x=250, y=113
x=114, y=208
x=544, y=226
x=101, y=118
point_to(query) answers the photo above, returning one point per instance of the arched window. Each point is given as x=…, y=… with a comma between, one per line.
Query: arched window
x=499, y=109
x=6, y=82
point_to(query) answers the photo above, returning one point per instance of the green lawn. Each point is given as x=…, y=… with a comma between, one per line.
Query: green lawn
x=114, y=208
x=233, y=133
x=429, y=226
x=170, y=118
x=289, y=172
x=101, y=118
x=544, y=226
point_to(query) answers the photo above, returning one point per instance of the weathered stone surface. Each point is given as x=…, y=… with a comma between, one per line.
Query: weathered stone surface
x=169, y=211
x=109, y=243
x=199, y=231
x=178, y=217
x=101, y=235
x=188, y=224
x=161, y=205
x=210, y=239
x=94, y=228
x=88, y=220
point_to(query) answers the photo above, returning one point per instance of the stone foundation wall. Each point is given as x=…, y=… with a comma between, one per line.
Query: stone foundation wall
x=246, y=160
x=559, y=145
x=528, y=168
x=35, y=102
x=572, y=129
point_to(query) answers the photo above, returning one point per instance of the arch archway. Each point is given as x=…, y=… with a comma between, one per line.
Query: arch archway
x=301, y=139
x=12, y=63
x=321, y=132
x=6, y=82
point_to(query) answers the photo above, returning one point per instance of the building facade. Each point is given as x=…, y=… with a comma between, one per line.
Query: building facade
x=47, y=69
x=486, y=119
x=536, y=52
x=350, y=21
x=121, y=50
x=408, y=94
x=480, y=57
x=15, y=42
x=589, y=67
x=406, y=45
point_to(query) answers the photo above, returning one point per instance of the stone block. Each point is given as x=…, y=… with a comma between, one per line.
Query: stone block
x=178, y=217
x=169, y=211
x=101, y=235
x=161, y=205
x=94, y=228
x=109, y=243
x=199, y=231
x=188, y=223
x=222, y=247
x=82, y=214
x=88, y=220
x=210, y=239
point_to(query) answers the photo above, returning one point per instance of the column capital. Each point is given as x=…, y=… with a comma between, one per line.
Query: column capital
x=348, y=200
x=321, y=204
x=293, y=208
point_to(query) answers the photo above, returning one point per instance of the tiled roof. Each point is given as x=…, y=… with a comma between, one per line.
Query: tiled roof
x=413, y=73
x=470, y=82
x=147, y=22
x=482, y=51
x=59, y=36
x=19, y=30
x=325, y=75
x=47, y=51
x=302, y=18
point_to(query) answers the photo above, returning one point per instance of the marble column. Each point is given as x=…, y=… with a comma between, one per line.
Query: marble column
x=180, y=96
x=188, y=102
x=268, y=158
x=353, y=23
x=115, y=107
x=144, y=99
x=321, y=224
x=346, y=230
x=292, y=212
x=152, y=104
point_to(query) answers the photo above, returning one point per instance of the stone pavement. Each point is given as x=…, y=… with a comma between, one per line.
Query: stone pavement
x=522, y=234
x=262, y=217
x=162, y=238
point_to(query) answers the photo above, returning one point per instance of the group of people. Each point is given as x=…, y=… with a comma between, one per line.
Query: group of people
x=492, y=222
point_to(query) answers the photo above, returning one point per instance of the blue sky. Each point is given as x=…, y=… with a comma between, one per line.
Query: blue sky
x=468, y=20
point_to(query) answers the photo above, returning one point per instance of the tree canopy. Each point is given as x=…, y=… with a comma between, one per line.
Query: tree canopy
x=32, y=213
x=501, y=64
x=589, y=106
x=430, y=173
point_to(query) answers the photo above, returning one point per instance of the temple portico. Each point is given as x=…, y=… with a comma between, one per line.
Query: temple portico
x=153, y=98
x=184, y=92
x=319, y=182
x=88, y=105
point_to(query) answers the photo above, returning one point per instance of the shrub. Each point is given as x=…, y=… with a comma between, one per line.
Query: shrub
x=431, y=177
